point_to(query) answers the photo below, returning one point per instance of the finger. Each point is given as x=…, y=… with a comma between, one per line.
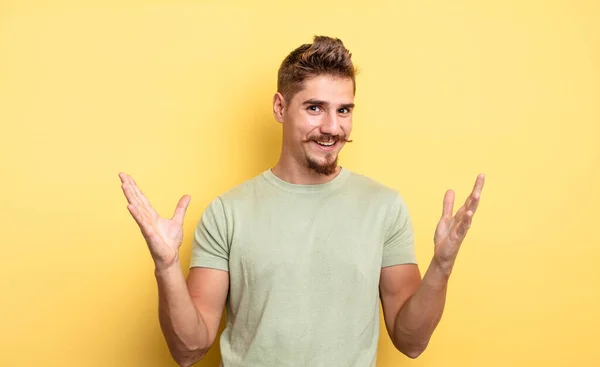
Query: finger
x=479, y=182
x=448, y=205
x=181, y=208
x=472, y=201
x=128, y=191
x=132, y=197
x=147, y=209
x=145, y=226
x=476, y=194
x=464, y=225
x=135, y=203
x=137, y=215
x=459, y=214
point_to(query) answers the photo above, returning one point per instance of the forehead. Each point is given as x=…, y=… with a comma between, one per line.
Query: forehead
x=328, y=88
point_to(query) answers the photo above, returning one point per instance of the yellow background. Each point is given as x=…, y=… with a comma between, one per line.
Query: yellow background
x=178, y=94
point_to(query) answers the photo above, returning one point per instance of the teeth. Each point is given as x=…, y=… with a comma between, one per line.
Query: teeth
x=328, y=144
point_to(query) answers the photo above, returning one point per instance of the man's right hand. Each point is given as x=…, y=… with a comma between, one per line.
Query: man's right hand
x=163, y=236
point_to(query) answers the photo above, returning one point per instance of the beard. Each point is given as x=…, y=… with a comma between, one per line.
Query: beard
x=330, y=164
x=326, y=168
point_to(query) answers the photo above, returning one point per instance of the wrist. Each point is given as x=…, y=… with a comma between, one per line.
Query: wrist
x=161, y=267
x=442, y=267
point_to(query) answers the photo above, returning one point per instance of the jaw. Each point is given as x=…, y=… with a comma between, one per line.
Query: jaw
x=299, y=164
x=325, y=166
x=309, y=157
x=322, y=160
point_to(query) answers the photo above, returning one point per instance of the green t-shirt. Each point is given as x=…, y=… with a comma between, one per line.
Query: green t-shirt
x=304, y=263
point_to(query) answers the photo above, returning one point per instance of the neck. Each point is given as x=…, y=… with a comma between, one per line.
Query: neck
x=293, y=172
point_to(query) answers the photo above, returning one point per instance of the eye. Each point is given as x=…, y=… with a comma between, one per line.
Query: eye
x=344, y=110
x=314, y=108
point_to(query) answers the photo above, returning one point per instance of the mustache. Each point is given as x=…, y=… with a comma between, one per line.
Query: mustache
x=334, y=138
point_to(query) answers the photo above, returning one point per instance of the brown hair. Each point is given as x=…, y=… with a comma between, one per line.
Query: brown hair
x=325, y=56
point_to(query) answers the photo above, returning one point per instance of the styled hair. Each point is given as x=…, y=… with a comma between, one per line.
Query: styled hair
x=325, y=56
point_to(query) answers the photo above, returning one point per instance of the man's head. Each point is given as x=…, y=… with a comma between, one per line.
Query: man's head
x=314, y=102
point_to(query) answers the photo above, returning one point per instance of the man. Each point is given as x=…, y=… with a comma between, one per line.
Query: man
x=303, y=252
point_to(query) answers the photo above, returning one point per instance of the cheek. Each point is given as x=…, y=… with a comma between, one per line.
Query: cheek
x=312, y=122
x=347, y=126
x=306, y=125
x=299, y=128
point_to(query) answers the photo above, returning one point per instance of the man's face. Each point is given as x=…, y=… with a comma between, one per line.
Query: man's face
x=318, y=121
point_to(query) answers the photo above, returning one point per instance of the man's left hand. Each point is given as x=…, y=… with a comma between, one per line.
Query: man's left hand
x=451, y=230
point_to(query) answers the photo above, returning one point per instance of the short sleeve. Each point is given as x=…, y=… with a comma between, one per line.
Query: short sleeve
x=398, y=247
x=210, y=248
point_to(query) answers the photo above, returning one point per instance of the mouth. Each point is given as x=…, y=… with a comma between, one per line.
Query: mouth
x=325, y=145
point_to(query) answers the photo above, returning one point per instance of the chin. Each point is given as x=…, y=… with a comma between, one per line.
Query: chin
x=323, y=168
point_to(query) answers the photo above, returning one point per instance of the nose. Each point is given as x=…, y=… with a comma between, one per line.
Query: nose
x=331, y=125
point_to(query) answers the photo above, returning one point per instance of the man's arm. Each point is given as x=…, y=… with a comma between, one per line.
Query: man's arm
x=190, y=314
x=412, y=307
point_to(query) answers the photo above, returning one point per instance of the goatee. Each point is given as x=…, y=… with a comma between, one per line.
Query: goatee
x=325, y=169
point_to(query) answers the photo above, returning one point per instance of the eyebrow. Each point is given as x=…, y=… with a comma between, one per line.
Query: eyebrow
x=318, y=102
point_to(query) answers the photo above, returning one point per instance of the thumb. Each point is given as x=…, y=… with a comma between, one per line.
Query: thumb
x=181, y=208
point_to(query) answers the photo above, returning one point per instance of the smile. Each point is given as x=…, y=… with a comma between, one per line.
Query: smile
x=326, y=146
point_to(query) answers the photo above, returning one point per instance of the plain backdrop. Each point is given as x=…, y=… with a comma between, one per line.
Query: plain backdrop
x=179, y=95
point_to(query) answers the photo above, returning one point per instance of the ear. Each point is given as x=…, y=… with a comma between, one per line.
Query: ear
x=278, y=107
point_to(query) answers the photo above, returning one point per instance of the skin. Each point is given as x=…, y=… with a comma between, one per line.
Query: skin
x=190, y=310
x=413, y=307
x=321, y=111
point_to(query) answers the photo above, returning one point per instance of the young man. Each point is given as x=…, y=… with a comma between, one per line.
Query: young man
x=302, y=253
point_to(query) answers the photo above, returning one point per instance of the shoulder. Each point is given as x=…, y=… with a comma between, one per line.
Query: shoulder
x=243, y=191
x=373, y=188
x=377, y=195
x=221, y=208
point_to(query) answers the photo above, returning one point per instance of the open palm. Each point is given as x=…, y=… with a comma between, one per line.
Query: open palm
x=163, y=236
x=451, y=230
